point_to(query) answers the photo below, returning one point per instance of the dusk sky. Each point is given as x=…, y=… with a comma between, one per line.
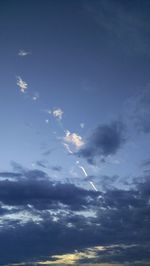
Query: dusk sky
x=75, y=132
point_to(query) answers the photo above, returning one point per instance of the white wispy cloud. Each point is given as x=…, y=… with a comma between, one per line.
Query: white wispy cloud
x=23, y=53
x=22, y=84
x=35, y=96
x=74, y=139
x=58, y=113
x=82, y=125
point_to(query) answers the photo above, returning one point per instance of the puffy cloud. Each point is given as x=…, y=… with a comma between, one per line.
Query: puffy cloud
x=74, y=139
x=105, y=141
x=22, y=84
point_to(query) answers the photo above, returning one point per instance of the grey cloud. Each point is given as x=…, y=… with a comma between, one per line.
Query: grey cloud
x=56, y=168
x=9, y=175
x=35, y=189
x=41, y=163
x=146, y=163
x=105, y=140
x=121, y=218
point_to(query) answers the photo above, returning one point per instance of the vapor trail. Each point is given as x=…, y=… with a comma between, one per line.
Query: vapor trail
x=93, y=186
x=68, y=148
x=84, y=171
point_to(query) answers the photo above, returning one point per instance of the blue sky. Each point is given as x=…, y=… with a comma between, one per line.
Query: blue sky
x=75, y=116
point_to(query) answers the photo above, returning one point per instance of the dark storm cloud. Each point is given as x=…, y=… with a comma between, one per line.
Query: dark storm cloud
x=105, y=140
x=122, y=217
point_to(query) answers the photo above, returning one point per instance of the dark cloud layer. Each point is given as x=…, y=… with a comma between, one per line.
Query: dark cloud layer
x=121, y=217
x=105, y=140
x=35, y=189
x=9, y=174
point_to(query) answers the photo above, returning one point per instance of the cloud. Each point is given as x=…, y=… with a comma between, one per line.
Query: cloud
x=73, y=139
x=48, y=152
x=105, y=140
x=82, y=125
x=23, y=53
x=100, y=256
x=58, y=113
x=56, y=168
x=146, y=163
x=22, y=84
x=35, y=96
x=9, y=175
x=119, y=226
x=36, y=189
x=42, y=163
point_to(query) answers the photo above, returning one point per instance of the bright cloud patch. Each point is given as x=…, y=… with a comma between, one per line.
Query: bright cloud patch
x=58, y=113
x=23, y=53
x=22, y=84
x=74, y=139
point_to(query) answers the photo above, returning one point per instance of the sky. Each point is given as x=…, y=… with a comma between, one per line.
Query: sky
x=75, y=132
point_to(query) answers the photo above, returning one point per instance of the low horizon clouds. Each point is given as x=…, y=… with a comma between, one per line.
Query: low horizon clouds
x=56, y=218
